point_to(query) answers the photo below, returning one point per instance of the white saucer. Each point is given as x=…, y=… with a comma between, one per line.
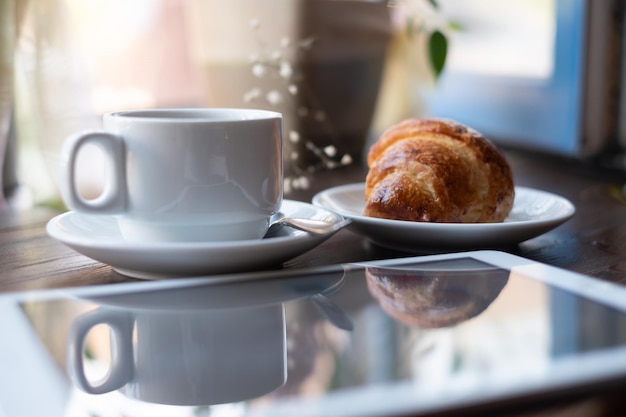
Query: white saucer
x=225, y=292
x=98, y=237
x=534, y=213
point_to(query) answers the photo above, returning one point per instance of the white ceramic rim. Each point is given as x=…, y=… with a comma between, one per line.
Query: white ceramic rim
x=196, y=115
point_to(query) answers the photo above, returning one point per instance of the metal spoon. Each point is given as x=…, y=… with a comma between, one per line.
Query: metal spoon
x=332, y=312
x=313, y=226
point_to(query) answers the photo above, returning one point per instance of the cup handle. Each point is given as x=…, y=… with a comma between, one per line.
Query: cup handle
x=121, y=367
x=113, y=198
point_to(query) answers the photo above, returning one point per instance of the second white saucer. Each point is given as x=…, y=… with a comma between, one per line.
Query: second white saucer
x=534, y=212
x=98, y=237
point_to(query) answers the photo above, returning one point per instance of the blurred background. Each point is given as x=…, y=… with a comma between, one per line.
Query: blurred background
x=544, y=75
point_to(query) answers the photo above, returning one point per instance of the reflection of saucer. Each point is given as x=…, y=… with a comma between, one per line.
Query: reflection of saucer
x=98, y=237
x=205, y=294
x=534, y=212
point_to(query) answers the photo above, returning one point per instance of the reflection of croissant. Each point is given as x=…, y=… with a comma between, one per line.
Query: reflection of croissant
x=433, y=299
x=437, y=171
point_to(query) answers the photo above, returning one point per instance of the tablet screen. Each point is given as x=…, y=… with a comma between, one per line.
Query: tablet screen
x=420, y=337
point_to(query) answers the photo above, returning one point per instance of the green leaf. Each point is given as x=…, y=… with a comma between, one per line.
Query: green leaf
x=437, y=51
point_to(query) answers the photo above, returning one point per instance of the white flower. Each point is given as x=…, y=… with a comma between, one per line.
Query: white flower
x=330, y=150
x=285, y=70
x=301, y=183
x=294, y=137
x=252, y=95
x=275, y=66
x=259, y=70
x=274, y=97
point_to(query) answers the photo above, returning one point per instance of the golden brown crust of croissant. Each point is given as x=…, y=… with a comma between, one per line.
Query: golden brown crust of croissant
x=433, y=170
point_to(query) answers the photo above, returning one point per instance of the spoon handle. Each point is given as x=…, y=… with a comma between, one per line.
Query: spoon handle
x=332, y=312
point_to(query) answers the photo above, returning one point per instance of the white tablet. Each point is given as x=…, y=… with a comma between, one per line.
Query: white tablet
x=461, y=332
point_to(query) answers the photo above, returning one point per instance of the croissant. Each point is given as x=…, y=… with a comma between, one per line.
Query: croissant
x=433, y=170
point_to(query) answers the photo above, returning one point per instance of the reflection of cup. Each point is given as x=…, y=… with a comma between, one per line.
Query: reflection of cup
x=184, y=174
x=435, y=298
x=186, y=357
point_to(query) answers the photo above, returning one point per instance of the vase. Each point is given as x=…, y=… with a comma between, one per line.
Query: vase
x=318, y=62
x=341, y=76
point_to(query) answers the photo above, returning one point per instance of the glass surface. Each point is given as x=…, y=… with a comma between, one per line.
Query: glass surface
x=427, y=330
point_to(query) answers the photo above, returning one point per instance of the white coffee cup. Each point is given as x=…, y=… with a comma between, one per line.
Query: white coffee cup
x=193, y=357
x=184, y=174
